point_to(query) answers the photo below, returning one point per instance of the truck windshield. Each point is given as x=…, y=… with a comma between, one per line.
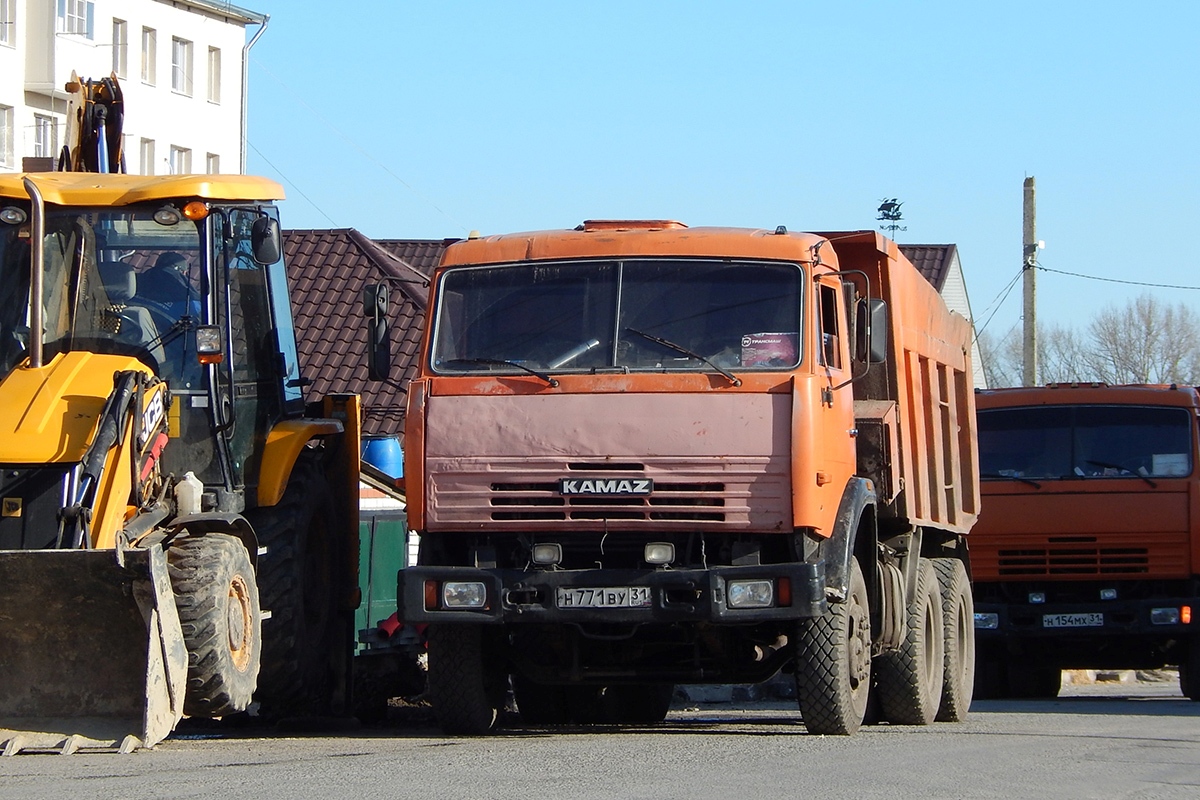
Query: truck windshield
x=1089, y=441
x=114, y=281
x=652, y=315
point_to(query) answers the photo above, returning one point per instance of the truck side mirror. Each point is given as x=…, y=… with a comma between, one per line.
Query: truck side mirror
x=265, y=242
x=877, y=331
x=379, y=338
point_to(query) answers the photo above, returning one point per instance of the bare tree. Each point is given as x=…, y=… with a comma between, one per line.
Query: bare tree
x=1146, y=341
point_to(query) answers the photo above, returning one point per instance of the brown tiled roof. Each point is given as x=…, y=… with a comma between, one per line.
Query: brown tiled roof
x=327, y=270
x=931, y=260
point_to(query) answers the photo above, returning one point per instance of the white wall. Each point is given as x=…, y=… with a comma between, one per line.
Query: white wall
x=45, y=59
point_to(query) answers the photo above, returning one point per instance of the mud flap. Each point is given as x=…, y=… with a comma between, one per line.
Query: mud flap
x=91, y=650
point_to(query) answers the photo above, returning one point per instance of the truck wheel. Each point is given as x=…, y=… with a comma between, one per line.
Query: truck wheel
x=991, y=681
x=910, y=678
x=1032, y=681
x=1189, y=671
x=540, y=703
x=465, y=688
x=217, y=599
x=833, y=663
x=303, y=639
x=958, y=621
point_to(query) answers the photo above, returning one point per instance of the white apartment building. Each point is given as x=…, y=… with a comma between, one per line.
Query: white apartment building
x=181, y=67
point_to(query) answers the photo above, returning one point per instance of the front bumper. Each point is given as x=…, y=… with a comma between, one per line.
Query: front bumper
x=517, y=596
x=1000, y=621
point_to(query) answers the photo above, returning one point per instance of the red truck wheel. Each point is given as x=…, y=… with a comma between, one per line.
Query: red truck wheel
x=958, y=625
x=910, y=678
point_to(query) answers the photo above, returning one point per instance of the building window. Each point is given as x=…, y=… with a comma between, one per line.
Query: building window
x=120, y=47
x=146, y=156
x=45, y=136
x=181, y=161
x=149, y=54
x=214, y=75
x=212, y=164
x=8, y=21
x=181, y=66
x=77, y=17
x=6, y=136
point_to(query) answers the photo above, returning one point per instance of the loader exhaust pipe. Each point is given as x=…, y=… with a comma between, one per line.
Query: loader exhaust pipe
x=37, y=247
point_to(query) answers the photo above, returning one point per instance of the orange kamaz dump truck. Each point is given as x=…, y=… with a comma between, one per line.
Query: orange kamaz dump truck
x=641, y=455
x=1087, y=551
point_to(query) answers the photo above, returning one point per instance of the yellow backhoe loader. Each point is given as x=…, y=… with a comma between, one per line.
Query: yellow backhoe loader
x=178, y=527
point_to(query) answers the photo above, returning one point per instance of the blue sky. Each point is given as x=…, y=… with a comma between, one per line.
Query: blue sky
x=432, y=119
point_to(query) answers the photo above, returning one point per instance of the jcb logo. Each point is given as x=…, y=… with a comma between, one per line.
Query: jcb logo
x=12, y=507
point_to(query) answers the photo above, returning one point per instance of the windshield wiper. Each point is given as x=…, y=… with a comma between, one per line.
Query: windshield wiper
x=678, y=348
x=1032, y=483
x=1130, y=472
x=503, y=363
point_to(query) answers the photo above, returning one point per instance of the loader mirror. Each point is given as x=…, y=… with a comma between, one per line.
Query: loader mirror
x=379, y=337
x=265, y=241
x=878, y=331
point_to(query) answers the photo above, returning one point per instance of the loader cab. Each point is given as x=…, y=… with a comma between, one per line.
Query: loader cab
x=152, y=280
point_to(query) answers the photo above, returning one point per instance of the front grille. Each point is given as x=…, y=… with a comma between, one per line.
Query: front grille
x=683, y=502
x=732, y=493
x=1029, y=562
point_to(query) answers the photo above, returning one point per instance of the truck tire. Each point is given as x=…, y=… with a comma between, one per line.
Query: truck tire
x=217, y=599
x=833, y=663
x=1189, y=670
x=304, y=638
x=958, y=625
x=465, y=688
x=910, y=678
x=540, y=703
x=1033, y=681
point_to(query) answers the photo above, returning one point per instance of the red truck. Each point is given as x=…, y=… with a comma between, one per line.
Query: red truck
x=1087, y=551
x=641, y=454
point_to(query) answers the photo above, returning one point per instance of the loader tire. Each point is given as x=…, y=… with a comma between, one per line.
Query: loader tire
x=958, y=625
x=218, y=604
x=833, y=663
x=303, y=639
x=910, y=678
x=466, y=686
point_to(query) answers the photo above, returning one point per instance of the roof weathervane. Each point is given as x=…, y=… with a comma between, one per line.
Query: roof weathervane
x=889, y=214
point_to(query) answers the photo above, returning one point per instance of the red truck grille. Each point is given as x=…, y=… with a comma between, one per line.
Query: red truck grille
x=1036, y=562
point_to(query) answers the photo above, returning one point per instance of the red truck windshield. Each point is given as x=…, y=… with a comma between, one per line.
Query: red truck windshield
x=628, y=315
x=1085, y=442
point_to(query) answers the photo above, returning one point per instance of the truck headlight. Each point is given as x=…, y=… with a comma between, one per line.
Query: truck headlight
x=988, y=622
x=751, y=594
x=1164, y=616
x=464, y=594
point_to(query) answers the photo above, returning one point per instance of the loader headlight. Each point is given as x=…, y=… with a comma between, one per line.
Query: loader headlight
x=12, y=215
x=208, y=344
x=167, y=215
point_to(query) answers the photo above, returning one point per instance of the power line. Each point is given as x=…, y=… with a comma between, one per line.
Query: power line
x=292, y=184
x=1116, y=280
x=362, y=150
x=998, y=301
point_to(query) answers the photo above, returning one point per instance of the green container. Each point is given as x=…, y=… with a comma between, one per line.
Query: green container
x=382, y=552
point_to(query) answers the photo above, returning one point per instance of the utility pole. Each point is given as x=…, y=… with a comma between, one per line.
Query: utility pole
x=1029, y=373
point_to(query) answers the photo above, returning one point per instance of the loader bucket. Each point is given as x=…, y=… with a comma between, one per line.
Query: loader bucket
x=91, y=651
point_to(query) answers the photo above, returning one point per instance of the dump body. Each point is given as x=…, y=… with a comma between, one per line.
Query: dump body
x=1086, y=551
x=671, y=437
